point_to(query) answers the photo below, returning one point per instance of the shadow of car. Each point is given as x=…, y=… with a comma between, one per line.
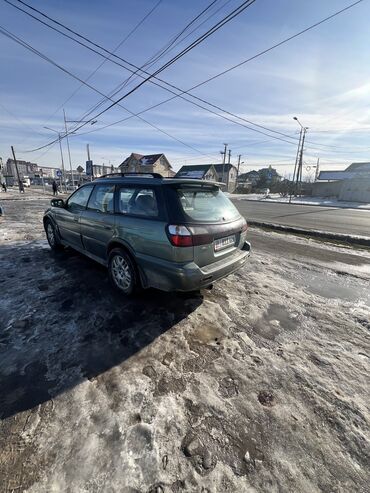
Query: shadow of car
x=63, y=323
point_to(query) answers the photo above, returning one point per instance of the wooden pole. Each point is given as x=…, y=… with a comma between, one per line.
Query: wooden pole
x=20, y=184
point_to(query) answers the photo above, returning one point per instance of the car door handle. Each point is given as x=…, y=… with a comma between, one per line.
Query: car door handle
x=107, y=227
x=76, y=219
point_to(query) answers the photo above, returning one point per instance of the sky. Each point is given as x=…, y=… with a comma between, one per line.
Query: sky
x=322, y=77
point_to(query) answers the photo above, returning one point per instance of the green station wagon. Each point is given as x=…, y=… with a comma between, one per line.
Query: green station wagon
x=167, y=233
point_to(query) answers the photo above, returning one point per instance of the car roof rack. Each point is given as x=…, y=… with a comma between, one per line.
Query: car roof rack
x=153, y=175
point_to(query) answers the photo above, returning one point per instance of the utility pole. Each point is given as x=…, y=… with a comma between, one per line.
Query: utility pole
x=317, y=169
x=63, y=170
x=292, y=187
x=237, y=174
x=300, y=165
x=90, y=163
x=223, y=161
x=228, y=171
x=297, y=175
x=69, y=151
x=20, y=184
x=63, y=178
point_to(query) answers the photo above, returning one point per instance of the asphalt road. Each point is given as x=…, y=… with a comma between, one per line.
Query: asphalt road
x=329, y=219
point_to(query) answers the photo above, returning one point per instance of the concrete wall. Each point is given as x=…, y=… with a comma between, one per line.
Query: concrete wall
x=327, y=189
x=356, y=190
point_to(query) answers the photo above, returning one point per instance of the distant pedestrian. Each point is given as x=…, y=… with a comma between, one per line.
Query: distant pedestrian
x=3, y=186
x=55, y=187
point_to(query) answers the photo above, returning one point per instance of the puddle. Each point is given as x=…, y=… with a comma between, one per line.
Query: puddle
x=273, y=321
x=332, y=286
x=207, y=334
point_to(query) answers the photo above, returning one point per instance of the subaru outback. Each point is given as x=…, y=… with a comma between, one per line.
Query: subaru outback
x=168, y=233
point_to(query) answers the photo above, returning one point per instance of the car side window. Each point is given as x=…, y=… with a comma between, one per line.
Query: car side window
x=102, y=199
x=77, y=202
x=138, y=201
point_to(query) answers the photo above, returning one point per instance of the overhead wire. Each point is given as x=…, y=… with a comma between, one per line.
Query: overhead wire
x=162, y=51
x=145, y=79
x=121, y=43
x=204, y=82
x=127, y=36
x=15, y=38
x=228, y=70
x=200, y=39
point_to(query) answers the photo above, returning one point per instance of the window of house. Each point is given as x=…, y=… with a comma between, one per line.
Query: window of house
x=138, y=201
x=102, y=199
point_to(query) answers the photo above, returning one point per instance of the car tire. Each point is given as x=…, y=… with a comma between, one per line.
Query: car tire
x=122, y=272
x=52, y=236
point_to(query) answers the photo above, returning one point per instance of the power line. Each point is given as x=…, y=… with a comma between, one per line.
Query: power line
x=128, y=35
x=244, y=62
x=208, y=80
x=195, y=43
x=133, y=30
x=158, y=55
x=149, y=75
x=211, y=78
x=6, y=33
x=16, y=117
x=145, y=79
x=162, y=51
x=200, y=39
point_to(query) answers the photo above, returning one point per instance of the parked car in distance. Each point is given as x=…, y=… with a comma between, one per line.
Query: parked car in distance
x=168, y=233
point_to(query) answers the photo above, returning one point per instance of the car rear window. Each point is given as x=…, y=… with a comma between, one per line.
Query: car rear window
x=206, y=205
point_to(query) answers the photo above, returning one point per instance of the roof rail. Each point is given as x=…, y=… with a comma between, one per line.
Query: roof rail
x=153, y=175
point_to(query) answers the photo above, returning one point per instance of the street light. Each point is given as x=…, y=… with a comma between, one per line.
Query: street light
x=61, y=154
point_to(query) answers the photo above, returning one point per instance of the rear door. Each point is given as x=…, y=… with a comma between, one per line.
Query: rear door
x=213, y=220
x=68, y=218
x=141, y=220
x=97, y=221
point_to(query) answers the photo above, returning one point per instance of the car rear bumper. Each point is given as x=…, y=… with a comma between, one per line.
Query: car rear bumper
x=168, y=276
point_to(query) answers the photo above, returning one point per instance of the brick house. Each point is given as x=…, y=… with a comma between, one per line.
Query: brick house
x=150, y=163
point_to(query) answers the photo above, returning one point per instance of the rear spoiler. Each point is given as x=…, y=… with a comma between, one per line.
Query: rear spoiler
x=201, y=184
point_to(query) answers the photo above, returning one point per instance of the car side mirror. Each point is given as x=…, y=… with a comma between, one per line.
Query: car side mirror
x=57, y=203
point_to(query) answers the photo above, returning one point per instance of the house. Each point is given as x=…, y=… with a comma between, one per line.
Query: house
x=225, y=173
x=150, y=163
x=198, y=171
x=263, y=178
x=352, y=184
x=251, y=177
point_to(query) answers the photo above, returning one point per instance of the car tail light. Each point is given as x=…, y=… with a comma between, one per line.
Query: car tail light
x=179, y=236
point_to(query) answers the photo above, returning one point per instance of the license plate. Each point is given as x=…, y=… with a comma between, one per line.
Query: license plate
x=222, y=243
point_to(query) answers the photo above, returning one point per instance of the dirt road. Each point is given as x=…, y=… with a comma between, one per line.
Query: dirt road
x=260, y=385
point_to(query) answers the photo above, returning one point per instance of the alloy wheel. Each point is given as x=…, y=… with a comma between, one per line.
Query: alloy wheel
x=121, y=273
x=50, y=234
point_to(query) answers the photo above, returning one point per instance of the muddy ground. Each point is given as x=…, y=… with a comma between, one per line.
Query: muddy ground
x=260, y=385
